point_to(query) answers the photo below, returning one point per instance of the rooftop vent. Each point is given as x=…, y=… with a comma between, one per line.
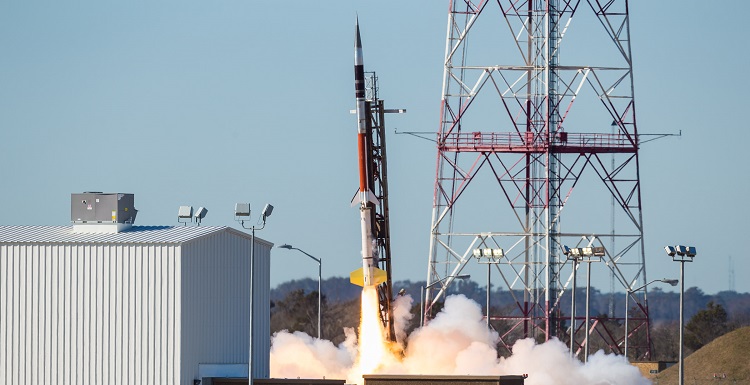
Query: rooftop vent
x=97, y=212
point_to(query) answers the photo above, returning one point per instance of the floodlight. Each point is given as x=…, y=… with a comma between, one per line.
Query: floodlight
x=598, y=251
x=200, y=214
x=267, y=211
x=588, y=251
x=576, y=251
x=671, y=251
x=498, y=253
x=681, y=250
x=242, y=214
x=487, y=252
x=242, y=209
x=185, y=212
x=690, y=251
x=477, y=253
x=566, y=250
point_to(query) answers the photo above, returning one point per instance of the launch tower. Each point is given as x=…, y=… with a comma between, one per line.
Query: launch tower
x=377, y=158
x=537, y=120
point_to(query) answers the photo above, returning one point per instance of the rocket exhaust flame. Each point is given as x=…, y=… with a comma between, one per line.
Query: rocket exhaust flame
x=374, y=349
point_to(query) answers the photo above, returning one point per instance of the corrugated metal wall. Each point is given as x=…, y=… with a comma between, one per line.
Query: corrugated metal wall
x=130, y=313
x=215, y=303
x=89, y=314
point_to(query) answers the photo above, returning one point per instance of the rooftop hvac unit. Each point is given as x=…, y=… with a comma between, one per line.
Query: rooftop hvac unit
x=102, y=208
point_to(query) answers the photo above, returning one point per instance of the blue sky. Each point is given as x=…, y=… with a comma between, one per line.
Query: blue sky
x=211, y=103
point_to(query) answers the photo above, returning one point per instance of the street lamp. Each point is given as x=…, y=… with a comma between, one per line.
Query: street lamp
x=493, y=258
x=320, y=269
x=242, y=211
x=672, y=282
x=582, y=254
x=572, y=257
x=422, y=291
x=681, y=254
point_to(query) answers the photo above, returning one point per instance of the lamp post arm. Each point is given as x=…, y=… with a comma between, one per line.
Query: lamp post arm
x=641, y=287
x=303, y=252
x=627, y=308
x=440, y=281
x=631, y=291
x=320, y=279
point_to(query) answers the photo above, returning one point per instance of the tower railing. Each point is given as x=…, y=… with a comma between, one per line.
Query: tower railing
x=515, y=142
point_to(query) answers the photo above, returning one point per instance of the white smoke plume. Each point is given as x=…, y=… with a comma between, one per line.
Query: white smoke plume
x=297, y=354
x=402, y=316
x=456, y=342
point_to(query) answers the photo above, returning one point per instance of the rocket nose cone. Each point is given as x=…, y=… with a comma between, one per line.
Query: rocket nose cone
x=357, y=39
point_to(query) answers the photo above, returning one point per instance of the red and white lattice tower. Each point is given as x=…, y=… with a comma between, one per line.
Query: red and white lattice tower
x=538, y=124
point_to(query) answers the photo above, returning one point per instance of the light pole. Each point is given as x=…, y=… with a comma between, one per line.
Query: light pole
x=681, y=254
x=584, y=254
x=574, y=258
x=493, y=258
x=320, y=269
x=422, y=296
x=242, y=211
x=672, y=282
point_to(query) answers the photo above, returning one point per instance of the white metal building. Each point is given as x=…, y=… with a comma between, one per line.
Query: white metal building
x=148, y=305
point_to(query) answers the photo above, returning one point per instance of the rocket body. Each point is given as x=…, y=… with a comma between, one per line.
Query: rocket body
x=369, y=274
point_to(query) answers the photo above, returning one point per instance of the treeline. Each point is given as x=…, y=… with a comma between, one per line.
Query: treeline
x=663, y=306
x=294, y=307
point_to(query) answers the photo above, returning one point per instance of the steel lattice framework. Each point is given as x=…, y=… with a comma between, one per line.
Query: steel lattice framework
x=524, y=135
x=377, y=158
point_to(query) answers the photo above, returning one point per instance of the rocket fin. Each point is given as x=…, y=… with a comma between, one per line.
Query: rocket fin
x=379, y=276
x=370, y=198
x=357, y=277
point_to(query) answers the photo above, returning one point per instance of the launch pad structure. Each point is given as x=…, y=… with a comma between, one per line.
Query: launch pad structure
x=538, y=106
x=377, y=159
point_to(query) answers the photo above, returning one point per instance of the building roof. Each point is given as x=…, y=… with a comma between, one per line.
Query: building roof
x=136, y=234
